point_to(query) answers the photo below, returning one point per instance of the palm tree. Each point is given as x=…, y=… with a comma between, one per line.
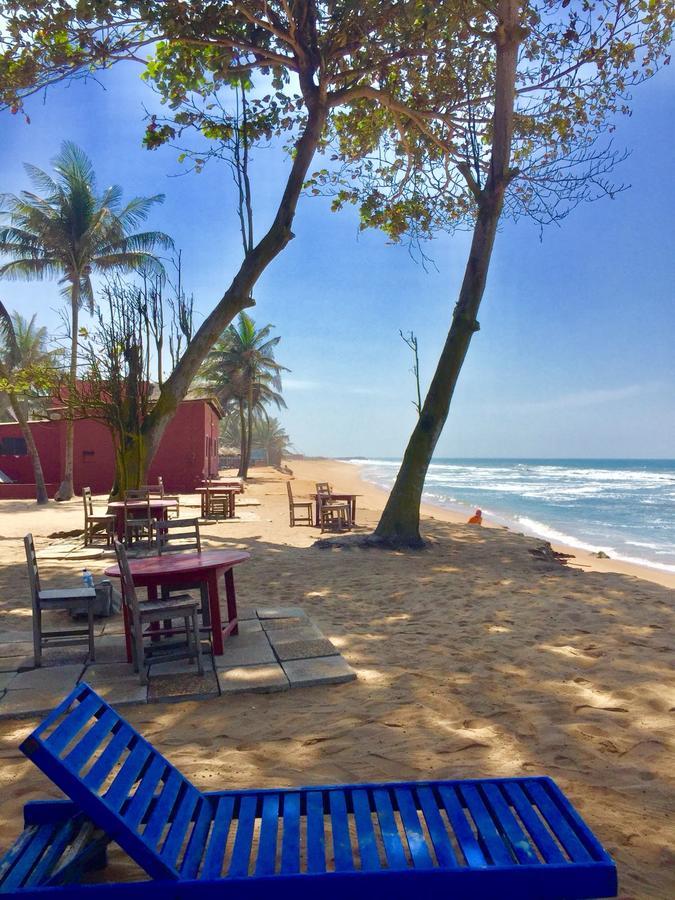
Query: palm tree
x=241, y=369
x=69, y=231
x=23, y=358
x=269, y=436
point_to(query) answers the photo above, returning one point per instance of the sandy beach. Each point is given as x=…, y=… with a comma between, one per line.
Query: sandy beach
x=475, y=657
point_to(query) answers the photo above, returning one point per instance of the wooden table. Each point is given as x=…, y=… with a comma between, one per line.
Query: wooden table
x=204, y=492
x=189, y=568
x=350, y=498
x=236, y=483
x=158, y=510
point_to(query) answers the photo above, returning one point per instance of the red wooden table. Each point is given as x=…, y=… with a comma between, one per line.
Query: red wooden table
x=217, y=489
x=189, y=568
x=318, y=498
x=158, y=510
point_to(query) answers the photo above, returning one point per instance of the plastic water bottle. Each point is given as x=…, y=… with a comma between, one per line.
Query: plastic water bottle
x=87, y=578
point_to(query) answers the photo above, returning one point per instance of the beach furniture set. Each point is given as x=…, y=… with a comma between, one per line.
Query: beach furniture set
x=475, y=838
x=325, y=508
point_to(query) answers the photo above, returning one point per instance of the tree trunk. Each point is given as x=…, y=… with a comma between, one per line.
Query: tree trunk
x=238, y=296
x=243, y=442
x=40, y=487
x=249, y=428
x=65, y=491
x=400, y=520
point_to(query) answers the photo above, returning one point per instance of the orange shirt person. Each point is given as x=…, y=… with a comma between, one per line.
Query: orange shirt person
x=476, y=518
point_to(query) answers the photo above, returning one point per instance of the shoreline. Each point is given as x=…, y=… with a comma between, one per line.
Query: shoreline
x=581, y=559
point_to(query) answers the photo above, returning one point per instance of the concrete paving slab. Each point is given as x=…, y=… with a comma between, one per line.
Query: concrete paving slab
x=260, y=679
x=279, y=624
x=177, y=688
x=13, y=637
x=287, y=650
x=17, y=648
x=110, y=648
x=243, y=614
x=249, y=626
x=307, y=632
x=123, y=692
x=18, y=704
x=5, y=678
x=16, y=663
x=103, y=673
x=324, y=670
x=281, y=612
x=245, y=650
x=57, y=679
x=179, y=667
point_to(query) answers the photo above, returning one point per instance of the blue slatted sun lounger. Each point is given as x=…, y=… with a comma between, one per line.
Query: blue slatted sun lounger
x=486, y=838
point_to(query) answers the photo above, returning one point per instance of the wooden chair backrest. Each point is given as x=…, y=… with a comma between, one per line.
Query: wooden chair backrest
x=177, y=535
x=33, y=572
x=322, y=487
x=131, y=514
x=141, y=494
x=156, y=490
x=88, y=503
x=290, y=493
x=128, y=586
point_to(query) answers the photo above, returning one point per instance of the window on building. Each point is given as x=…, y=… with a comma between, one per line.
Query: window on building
x=13, y=446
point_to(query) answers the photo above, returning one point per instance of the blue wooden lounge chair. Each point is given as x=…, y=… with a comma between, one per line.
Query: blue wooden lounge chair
x=513, y=837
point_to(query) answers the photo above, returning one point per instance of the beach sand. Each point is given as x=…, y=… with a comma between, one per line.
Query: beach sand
x=474, y=658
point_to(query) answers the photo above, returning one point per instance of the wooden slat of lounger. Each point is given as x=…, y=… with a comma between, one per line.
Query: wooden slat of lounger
x=108, y=758
x=436, y=827
x=58, y=842
x=413, y=830
x=393, y=848
x=545, y=843
x=241, y=851
x=128, y=775
x=316, y=839
x=88, y=743
x=365, y=833
x=267, y=843
x=508, y=823
x=31, y=853
x=586, y=836
x=215, y=849
x=86, y=843
x=137, y=808
x=290, y=840
x=183, y=813
x=557, y=823
x=342, y=846
x=464, y=835
x=488, y=835
x=16, y=850
x=195, y=847
x=163, y=808
x=68, y=728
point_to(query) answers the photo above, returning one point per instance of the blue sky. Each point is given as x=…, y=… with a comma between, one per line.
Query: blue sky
x=575, y=354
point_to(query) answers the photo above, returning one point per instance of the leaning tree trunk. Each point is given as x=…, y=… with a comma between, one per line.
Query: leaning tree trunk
x=65, y=491
x=249, y=429
x=41, y=495
x=238, y=295
x=399, y=524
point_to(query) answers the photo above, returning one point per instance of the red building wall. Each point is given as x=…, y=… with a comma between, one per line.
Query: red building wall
x=187, y=453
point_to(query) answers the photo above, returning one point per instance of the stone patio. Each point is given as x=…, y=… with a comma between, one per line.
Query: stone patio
x=277, y=648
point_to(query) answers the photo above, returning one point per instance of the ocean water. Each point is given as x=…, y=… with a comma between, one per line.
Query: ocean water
x=624, y=507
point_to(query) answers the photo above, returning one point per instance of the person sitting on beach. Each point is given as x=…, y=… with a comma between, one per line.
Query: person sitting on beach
x=476, y=518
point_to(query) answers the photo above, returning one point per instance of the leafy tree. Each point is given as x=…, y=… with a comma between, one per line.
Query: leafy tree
x=310, y=62
x=268, y=435
x=241, y=370
x=543, y=83
x=26, y=369
x=70, y=232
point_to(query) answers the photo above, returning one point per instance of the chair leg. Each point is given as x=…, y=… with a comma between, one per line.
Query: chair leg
x=90, y=624
x=140, y=655
x=198, y=643
x=37, y=637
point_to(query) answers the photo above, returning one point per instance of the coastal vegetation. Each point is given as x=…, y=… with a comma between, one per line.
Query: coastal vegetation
x=70, y=232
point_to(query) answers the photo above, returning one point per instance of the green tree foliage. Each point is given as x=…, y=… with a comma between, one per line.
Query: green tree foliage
x=69, y=231
x=28, y=374
x=242, y=372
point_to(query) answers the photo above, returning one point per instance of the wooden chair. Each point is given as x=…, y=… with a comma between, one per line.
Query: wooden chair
x=322, y=487
x=180, y=536
x=138, y=523
x=332, y=512
x=306, y=518
x=162, y=646
x=219, y=504
x=157, y=490
x=99, y=524
x=514, y=837
x=59, y=598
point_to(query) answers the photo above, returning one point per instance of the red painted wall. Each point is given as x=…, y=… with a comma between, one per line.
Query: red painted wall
x=187, y=453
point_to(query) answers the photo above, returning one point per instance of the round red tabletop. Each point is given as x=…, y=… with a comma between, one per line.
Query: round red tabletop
x=174, y=563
